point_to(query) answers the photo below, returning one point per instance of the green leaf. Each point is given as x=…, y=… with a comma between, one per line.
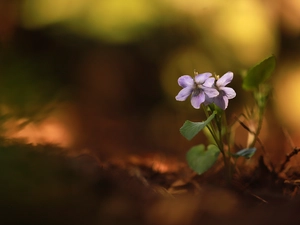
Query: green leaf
x=259, y=73
x=190, y=129
x=200, y=160
x=247, y=153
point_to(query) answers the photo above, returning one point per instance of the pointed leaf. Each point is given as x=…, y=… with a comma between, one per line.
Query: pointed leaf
x=190, y=129
x=200, y=160
x=259, y=73
x=247, y=153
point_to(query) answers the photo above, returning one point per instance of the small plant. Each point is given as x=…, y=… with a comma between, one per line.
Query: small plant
x=210, y=92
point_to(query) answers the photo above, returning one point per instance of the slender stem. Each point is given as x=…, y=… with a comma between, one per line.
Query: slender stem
x=259, y=126
x=219, y=124
x=260, y=99
x=227, y=155
x=215, y=128
x=212, y=133
x=227, y=134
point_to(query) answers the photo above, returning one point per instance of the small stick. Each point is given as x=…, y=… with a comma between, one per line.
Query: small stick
x=292, y=153
x=259, y=198
x=250, y=131
x=288, y=157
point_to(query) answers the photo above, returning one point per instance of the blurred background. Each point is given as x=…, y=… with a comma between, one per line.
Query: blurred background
x=102, y=74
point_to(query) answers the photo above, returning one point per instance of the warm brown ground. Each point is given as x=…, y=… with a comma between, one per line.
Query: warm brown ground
x=41, y=185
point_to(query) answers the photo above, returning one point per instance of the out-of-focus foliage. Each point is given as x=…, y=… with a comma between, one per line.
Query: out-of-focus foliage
x=259, y=74
x=113, y=20
x=118, y=61
x=229, y=28
x=27, y=84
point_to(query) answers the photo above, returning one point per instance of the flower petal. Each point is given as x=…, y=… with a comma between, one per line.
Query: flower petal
x=184, y=93
x=201, y=78
x=225, y=79
x=221, y=101
x=209, y=82
x=185, y=81
x=210, y=92
x=197, y=100
x=229, y=92
x=208, y=100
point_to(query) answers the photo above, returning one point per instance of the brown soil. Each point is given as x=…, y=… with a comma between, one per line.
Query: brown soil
x=42, y=185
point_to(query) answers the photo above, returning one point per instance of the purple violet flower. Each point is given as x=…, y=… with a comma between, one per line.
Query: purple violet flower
x=200, y=88
x=225, y=93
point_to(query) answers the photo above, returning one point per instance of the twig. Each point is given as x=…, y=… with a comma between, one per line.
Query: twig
x=292, y=153
x=250, y=131
x=288, y=157
x=259, y=198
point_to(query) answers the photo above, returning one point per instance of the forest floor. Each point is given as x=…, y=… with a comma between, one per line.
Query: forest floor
x=43, y=185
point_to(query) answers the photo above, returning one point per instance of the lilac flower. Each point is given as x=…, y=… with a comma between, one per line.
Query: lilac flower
x=225, y=93
x=199, y=88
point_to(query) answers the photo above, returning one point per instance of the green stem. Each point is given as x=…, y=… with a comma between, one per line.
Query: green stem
x=259, y=126
x=229, y=167
x=215, y=128
x=212, y=133
x=221, y=121
x=212, y=122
